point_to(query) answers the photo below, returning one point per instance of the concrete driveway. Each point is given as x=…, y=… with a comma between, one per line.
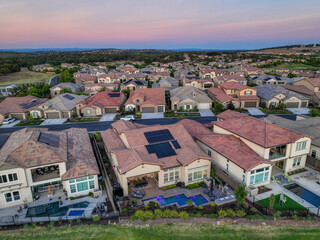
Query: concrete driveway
x=54, y=121
x=107, y=117
x=152, y=115
x=299, y=110
x=255, y=111
x=206, y=113
x=11, y=124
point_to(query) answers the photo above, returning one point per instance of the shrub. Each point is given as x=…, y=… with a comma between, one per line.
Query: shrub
x=96, y=218
x=78, y=220
x=133, y=218
x=174, y=214
x=218, y=107
x=139, y=214
x=147, y=215
x=198, y=214
x=184, y=215
x=41, y=223
x=211, y=215
x=193, y=185
x=212, y=204
x=295, y=217
x=124, y=210
x=240, y=193
x=134, y=200
x=189, y=203
x=222, y=213
x=277, y=214
x=263, y=105
x=90, y=194
x=51, y=224
x=146, y=207
x=282, y=106
x=230, y=213
x=158, y=213
x=169, y=187
x=240, y=213
x=253, y=210
x=167, y=213
x=200, y=207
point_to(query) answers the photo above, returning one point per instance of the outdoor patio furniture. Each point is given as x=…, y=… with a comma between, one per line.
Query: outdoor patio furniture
x=139, y=192
x=206, y=191
x=133, y=194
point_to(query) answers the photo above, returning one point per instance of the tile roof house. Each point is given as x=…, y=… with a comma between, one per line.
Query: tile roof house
x=229, y=78
x=312, y=84
x=33, y=159
x=101, y=103
x=133, y=84
x=86, y=79
x=146, y=100
x=93, y=88
x=167, y=83
x=268, y=79
x=197, y=82
x=230, y=154
x=19, y=107
x=164, y=154
x=287, y=148
x=188, y=98
x=74, y=87
x=273, y=95
x=240, y=95
x=61, y=106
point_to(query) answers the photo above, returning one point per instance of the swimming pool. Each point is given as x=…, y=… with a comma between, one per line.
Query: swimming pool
x=53, y=209
x=304, y=194
x=181, y=200
x=76, y=213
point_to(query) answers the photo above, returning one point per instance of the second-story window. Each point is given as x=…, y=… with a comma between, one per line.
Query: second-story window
x=209, y=153
x=301, y=145
x=248, y=92
x=11, y=177
x=138, y=100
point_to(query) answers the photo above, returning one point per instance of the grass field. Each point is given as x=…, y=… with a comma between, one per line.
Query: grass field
x=166, y=231
x=289, y=204
x=24, y=76
x=296, y=66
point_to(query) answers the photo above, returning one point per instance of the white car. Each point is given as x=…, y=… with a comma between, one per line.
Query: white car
x=128, y=118
x=8, y=120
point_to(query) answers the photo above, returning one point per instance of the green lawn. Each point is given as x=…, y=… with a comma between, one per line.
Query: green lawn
x=166, y=231
x=29, y=123
x=182, y=115
x=296, y=66
x=275, y=111
x=288, y=205
x=85, y=119
x=24, y=76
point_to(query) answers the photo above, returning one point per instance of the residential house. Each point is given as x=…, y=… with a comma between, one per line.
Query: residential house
x=268, y=79
x=232, y=156
x=312, y=84
x=101, y=103
x=19, y=107
x=167, y=83
x=73, y=87
x=188, y=98
x=229, y=78
x=133, y=84
x=61, y=106
x=252, y=71
x=208, y=73
x=239, y=95
x=93, y=88
x=302, y=90
x=31, y=160
x=286, y=148
x=111, y=77
x=273, y=95
x=163, y=154
x=197, y=82
x=146, y=100
x=86, y=79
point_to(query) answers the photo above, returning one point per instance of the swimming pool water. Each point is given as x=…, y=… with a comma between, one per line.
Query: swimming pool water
x=304, y=194
x=53, y=209
x=76, y=213
x=181, y=200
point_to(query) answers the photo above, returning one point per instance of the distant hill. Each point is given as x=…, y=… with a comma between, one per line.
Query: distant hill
x=307, y=49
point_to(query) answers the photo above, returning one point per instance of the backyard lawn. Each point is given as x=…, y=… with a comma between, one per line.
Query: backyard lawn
x=24, y=76
x=296, y=66
x=165, y=231
x=288, y=205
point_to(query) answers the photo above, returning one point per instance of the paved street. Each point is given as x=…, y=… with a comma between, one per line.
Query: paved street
x=53, y=121
x=206, y=113
x=107, y=117
x=152, y=115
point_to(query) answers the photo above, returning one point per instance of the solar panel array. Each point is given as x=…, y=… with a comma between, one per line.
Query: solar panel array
x=114, y=94
x=32, y=104
x=162, y=150
x=50, y=139
x=67, y=96
x=97, y=104
x=176, y=144
x=158, y=136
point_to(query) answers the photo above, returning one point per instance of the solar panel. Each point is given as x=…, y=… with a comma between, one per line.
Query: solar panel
x=162, y=150
x=50, y=139
x=158, y=136
x=114, y=94
x=97, y=104
x=176, y=144
x=22, y=104
x=32, y=104
x=67, y=96
x=139, y=83
x=3, y=139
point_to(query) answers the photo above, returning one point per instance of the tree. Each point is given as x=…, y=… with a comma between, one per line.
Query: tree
x=218, y=107
x=126, y=92
x=30, y=118
x=271, y=200
x=65, y=90
x=230, y=106
x=314, y=112
x=292, y=75
x=263, y=105
x=282, y=106
x=66, y=76
x=240, y=193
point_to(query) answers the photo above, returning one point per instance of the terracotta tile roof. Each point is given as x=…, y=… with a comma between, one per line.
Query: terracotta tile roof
x=234, y=85
x=299, y=89
x=229, y=114
x=220, y=95
x=102, y=99
x=12, y=104
x=121, y=125
x=235, y=77
x=248, y=97
x=154, y=96
x=264, y=134
x=314, y=81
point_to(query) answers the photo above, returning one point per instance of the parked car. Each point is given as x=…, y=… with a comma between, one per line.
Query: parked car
x=8, y=120
x=128, y=118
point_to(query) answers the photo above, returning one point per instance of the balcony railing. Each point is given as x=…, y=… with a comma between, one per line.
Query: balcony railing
x=274, y=155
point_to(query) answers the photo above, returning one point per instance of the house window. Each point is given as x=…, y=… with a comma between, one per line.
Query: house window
x=313, y=153
x=243, y=177
x=209, y=153
x=301, y=145
x=81, y=184
x=12, y=196
x=227, y=167
x=187, y=106
x=248, y=92
x=259, y=175
x=197, y=173
x=11, y=177
x=296, y=162
x=194, y=84
x=171, y=174
x=88, y=111
x=138, y=100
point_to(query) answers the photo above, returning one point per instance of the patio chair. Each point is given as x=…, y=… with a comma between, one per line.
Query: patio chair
x=139, y=196
x=139, y=192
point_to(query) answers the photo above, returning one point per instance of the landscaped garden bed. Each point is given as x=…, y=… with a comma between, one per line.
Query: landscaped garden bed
x=181, y=114
x=85, y=119
x=29, y=123
x=297, y=171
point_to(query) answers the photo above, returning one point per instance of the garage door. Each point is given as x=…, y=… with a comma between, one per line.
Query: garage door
x=292, y=104
x=204, y=106
x=148, y=110
x=160, y=109
x=304, y=104
x=250, y=104
x=110, y=110
x=65, y=115
x=17, y=116
x=52, y=115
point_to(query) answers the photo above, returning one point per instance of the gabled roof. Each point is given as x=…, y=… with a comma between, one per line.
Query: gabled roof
x=299, y=89
x=20, y=104
x=234, y=85
x=220, y=95
x=103, y=99
x=69, y=85
x=187, y=92
x=154, y=96
x=269, y=91
x=65, y=101
x=314, y=81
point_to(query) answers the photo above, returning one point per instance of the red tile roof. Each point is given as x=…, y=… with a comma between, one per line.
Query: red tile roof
x=102, y=99
x=235, y=85
x=314, y=81
x=299, y=89
x=154, y=96
x=220, y=95
x=12, y=104
x=229, y=114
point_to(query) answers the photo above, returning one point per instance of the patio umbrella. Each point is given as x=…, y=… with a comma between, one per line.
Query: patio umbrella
x=49, y=189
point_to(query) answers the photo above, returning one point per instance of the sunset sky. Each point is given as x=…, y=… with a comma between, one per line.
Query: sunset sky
x=161, y=24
